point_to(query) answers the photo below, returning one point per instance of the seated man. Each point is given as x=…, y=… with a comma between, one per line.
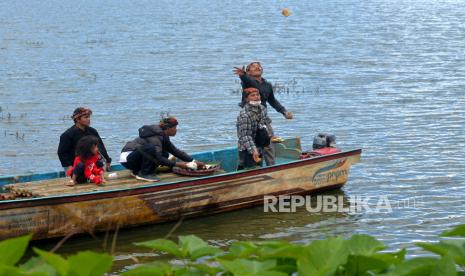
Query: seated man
x=70, y=138
x=151, y=149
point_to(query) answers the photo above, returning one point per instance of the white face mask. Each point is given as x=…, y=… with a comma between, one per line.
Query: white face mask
x=255, y=103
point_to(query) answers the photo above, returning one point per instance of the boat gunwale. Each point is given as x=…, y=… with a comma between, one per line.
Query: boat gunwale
x=155, y=187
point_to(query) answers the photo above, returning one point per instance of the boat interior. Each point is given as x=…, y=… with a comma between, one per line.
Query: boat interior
x=54, y=183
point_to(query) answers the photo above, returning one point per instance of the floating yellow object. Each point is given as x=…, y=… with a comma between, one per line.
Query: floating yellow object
x=286, y=12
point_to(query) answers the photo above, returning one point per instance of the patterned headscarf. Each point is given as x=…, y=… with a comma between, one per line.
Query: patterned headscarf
x=168, y=122
x=79, y=112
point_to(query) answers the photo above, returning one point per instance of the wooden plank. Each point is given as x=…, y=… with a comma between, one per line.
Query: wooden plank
x=58, y=186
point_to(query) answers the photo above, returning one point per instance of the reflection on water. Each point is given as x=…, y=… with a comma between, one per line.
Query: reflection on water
x=384, y=76
x=222, y=229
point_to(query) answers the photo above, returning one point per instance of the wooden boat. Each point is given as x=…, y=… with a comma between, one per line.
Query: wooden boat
x=52, y=209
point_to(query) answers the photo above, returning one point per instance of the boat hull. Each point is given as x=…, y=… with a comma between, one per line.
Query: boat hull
x=59, y=216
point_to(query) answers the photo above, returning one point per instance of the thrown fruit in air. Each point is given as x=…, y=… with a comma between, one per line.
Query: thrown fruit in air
x=286, y=12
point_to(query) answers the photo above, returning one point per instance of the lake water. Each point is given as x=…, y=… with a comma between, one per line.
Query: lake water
x=385, y=76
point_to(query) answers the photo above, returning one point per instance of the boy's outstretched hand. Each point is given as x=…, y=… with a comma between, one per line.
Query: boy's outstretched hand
x=239, y=71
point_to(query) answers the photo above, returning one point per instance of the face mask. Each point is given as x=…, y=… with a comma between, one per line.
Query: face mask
x=255, y=103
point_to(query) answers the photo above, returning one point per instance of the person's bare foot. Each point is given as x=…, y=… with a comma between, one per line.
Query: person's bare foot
x=72, y=181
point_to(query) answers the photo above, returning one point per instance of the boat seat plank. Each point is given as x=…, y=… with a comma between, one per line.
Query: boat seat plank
x=57, y=186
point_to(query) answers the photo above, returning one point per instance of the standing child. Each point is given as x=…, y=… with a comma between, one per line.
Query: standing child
x=252, y=77
x=87, y=166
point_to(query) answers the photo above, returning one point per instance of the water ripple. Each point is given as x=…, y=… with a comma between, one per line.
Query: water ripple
x=384, y=76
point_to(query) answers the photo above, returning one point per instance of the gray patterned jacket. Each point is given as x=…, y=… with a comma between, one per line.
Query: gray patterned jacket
x=248, y=121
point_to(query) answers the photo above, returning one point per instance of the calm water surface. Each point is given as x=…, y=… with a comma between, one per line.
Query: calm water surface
x=386, y=76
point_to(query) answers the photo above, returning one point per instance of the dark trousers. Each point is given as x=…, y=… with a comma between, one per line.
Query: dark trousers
x=78, y=171
x=143, y=160
x=246, y=160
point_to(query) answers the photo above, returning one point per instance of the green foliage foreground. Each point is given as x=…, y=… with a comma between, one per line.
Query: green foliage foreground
x=358, y=255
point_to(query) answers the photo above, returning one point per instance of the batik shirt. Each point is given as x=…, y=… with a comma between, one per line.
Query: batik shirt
x=248, y=122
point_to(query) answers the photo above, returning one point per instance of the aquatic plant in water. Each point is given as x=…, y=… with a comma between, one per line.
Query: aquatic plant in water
x=358, y=255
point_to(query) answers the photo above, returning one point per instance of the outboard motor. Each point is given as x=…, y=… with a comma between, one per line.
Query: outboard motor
x=324, y=140
x=323, y=143
x=331, y=140
x=319, y=141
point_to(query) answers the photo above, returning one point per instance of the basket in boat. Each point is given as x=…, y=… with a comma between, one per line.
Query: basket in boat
x=211, y=169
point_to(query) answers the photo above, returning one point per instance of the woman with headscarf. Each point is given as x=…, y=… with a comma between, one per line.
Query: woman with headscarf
x=253, y=130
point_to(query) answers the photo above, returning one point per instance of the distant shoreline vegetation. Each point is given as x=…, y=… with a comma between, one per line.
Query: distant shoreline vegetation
x=357, y=255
